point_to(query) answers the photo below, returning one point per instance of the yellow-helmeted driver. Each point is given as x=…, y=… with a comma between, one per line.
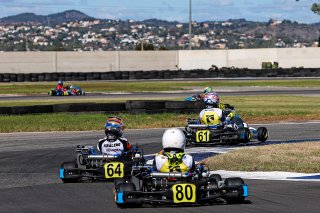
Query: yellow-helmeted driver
x=215, y=113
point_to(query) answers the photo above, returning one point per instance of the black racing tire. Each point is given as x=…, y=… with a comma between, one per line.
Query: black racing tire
x=246, y=133
x=69, y=165
x=212, y=184
x=117, y=181
x=216, y=177
x=262, y=134
x=125, y=187
x=236, y=181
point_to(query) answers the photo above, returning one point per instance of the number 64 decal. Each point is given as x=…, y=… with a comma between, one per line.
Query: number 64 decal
x=114, y=170
x=184, y=193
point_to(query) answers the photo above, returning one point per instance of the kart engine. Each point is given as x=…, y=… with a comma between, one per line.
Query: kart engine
x=82, y=157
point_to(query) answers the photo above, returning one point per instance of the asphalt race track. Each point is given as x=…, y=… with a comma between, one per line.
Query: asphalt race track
x=145, y=95
x=29, y=175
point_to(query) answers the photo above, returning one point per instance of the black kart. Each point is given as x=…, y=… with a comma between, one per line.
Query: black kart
x=197, y=188
x=91, y=166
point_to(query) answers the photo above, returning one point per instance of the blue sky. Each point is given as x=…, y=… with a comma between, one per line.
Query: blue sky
x=173, y=10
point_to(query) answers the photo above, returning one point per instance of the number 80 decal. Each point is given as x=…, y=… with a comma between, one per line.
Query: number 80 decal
x=184, y=193
x=114, y=170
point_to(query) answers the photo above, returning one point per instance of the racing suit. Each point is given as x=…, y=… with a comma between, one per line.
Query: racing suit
x=173, y=162
x=212, y=116
x=112, y=145
x=216, y=116
x=59, y=87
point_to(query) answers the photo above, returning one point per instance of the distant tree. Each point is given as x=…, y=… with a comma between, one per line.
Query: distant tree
x=57, y=45
x=163, y=48
x=316, y=8
x=145, y=46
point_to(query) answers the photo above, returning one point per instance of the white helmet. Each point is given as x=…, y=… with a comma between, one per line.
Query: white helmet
x=173, y=138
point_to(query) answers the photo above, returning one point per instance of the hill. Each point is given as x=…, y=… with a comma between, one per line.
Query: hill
x=51, y=20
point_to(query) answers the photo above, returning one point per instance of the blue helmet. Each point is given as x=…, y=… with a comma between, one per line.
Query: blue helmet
x=113, y=128
x=60, y=83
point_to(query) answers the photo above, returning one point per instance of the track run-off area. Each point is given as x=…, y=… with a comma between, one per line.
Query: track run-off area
x=29, y=174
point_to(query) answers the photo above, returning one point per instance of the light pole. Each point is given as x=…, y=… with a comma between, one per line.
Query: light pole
x=190, y=20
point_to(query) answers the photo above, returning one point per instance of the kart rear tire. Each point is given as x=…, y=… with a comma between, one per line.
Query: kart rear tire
x=213, y=183
x=234, y=182
x=262, y=134
x=124, y=187
x=69, y=165
x=246, y=133
x=215, y=177
x=117, y=181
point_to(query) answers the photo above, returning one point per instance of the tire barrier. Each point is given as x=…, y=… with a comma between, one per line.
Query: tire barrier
x=164, y=74
x=133, y=107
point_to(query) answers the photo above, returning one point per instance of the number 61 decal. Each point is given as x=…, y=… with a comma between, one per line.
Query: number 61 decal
x=114, y=170
x=184, y=193
x=203, y=136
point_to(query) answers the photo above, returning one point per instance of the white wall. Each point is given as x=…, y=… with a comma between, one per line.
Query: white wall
x=148, y=60
x=251, y=58
x=36, y=62
x=306, y=57
x=202, y=59
x=91, y=61
x=31, y=62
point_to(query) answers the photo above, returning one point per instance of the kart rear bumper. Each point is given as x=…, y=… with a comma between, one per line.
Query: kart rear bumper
x=166, y=197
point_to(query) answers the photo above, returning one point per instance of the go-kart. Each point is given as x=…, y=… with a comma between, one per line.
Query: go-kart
x=91, y=166
x=67, y=91
x=236, y=131
x=173, y=188
x=197, y=97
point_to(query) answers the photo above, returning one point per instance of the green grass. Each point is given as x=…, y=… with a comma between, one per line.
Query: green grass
x=44, y=101
x=299, y=157
x=143, y=86
x=85, y=121
x=253, y=109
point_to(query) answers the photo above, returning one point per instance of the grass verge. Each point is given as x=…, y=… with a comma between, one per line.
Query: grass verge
x=297, y=157
x=86, y=121
x=146, y=86
x=253, y=109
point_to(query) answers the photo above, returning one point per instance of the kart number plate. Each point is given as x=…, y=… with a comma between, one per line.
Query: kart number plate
x=184, y=193
x=114, y=170
x=203, y=136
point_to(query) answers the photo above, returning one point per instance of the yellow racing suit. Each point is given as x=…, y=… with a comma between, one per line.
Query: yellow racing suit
x=216, y=116
x=173, y=162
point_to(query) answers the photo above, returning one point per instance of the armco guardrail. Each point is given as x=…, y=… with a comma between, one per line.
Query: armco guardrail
x=133, y=107
x=165, y=74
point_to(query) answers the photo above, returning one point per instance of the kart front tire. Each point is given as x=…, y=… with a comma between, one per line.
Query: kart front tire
x=262, y=134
